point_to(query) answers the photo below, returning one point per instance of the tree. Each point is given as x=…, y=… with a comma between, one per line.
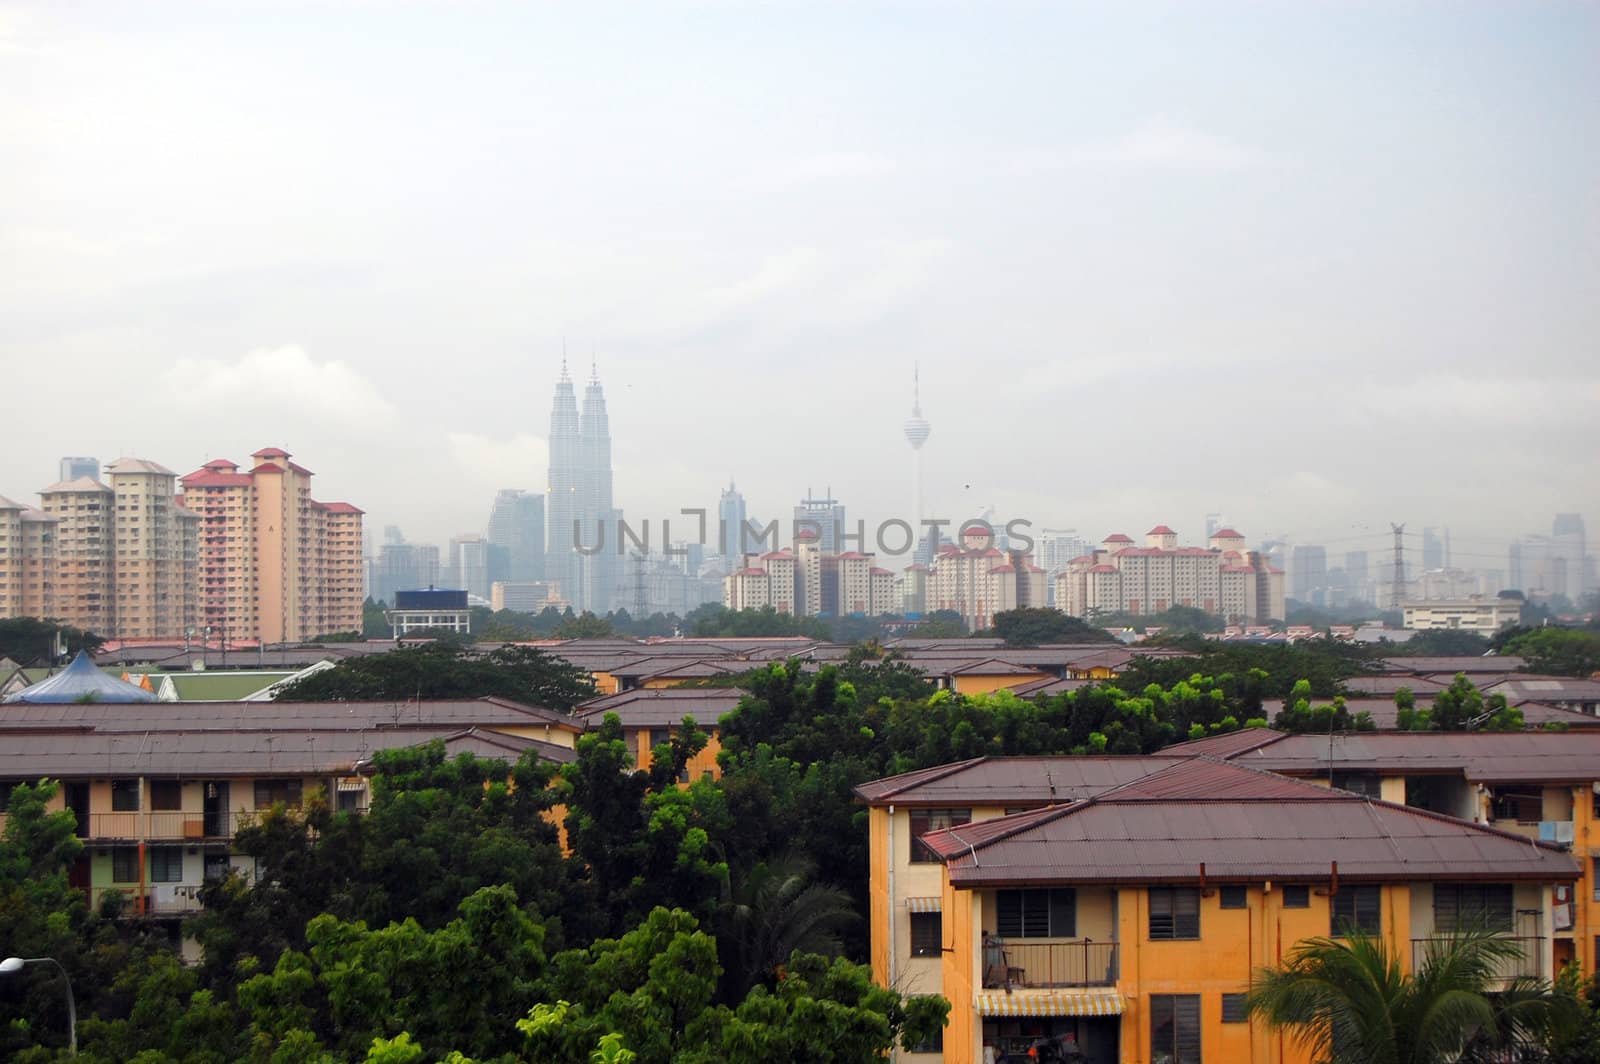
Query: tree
x=584, y=626
x=1033, y=625
x=444, y=670
x=1348, y=1001
x=776, y=910
x=1459, y=707
x=1557, y=651
x=1440, y=643
x=1298, y=715
x=30, y=641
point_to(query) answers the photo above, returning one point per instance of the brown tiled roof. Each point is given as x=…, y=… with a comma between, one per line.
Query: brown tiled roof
x=201, y=753
x=1482, y=757
x=255, y=716
x=1009, y=781
x=1226, y=744
x=1455, y=664
x=1213, y=820
x=1388, y=683
x=1048, y=686
x=662, y=707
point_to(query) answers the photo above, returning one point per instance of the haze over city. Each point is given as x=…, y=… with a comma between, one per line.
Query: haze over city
x=1313, y=268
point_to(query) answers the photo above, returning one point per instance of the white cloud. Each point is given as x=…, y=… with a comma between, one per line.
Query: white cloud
x=830, y=166
x=519, y=460
x=1167, y=145
x=1519, y=399
x=282, y=377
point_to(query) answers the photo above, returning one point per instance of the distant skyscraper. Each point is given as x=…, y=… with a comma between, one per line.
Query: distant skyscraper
x=469, y=558
x=731, y=516
x=823, y=516
x=516, y=537
x=1214, y=522
x=1308, y=572
x=579, y=497
x=1567, y=543
x=917, y=430
x=1432, y=549
x=73, y=468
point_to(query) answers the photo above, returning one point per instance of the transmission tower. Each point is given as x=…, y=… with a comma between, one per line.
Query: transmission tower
x=1399, y=563
x=640, y=604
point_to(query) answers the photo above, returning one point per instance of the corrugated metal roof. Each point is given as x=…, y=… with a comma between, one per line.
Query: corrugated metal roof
x=1009, y=781
x=235, y=716
x=1485, y=757
x=1455, y=664
x=662, y=706
x=200, y=753
x=1239, y=825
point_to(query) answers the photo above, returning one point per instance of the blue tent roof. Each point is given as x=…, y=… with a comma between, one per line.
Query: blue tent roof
x=82, y=681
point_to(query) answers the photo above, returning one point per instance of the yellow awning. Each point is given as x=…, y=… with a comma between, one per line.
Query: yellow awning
x=1089, y=1001
x=924, y=905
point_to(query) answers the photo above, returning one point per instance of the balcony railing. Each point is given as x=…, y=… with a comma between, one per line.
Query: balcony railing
x=162, y=826
x=1013, y=963
x=1527, y=961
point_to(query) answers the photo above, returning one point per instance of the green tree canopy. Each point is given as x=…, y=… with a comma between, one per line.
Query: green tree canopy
x=444, y=670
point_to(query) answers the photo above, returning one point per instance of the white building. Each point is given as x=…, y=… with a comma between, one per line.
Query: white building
x=1474, y=614
x=1223, y=579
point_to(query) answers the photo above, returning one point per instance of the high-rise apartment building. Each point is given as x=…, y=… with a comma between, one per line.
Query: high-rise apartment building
x=275, y=564
x=807, y=582
x=1308, y=573
x=516, y=537
x=578, y=501
x=27, y=561
x=156, y=552
x=978, y=580
x=85, y=538
x=1567, y=543
x=1223, y=579
x=122, y=556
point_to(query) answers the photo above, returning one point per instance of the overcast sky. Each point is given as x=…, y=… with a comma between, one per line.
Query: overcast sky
x=1315, y=266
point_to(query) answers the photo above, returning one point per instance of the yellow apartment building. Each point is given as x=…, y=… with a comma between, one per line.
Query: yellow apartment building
x=1122, y=905
x=27, y=561
x=85, y=535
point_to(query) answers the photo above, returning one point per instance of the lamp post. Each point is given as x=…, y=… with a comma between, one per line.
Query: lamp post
x=14, y=964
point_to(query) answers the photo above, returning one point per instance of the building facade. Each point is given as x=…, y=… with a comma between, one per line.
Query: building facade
x=275, y=565
x=1224, y=579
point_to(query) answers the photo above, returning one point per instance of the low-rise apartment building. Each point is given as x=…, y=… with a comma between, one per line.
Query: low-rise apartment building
x=1120, y=905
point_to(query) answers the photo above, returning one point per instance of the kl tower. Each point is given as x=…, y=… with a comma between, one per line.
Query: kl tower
x=916, y=430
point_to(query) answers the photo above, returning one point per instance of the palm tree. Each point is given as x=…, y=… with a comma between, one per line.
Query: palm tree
x=776, y=910
x=1350, y=1003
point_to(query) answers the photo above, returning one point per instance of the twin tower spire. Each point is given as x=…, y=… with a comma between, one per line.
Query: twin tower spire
x=578, y=497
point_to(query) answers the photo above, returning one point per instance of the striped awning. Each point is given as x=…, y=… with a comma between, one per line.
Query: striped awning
x=923, y=905
x=1090, y=1001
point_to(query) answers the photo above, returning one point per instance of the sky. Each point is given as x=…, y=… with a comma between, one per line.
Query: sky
x=1317, y=267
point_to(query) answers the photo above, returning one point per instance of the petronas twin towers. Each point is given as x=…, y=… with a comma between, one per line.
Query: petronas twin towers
x=578, y=498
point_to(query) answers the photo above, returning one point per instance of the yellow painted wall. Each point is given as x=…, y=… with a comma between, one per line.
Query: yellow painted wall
x=1585, y=848
x=878, y=900
x=982, y=685
x=959, y=974
x=700, y=764
x=555, y=734
x=605, y=683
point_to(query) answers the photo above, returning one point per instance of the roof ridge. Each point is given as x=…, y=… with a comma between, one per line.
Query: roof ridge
x=945, y=770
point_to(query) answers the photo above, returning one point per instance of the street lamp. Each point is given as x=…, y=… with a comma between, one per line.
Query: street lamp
x=12, y=965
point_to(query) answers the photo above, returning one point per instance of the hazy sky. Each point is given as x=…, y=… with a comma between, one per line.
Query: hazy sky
x=1316, y=266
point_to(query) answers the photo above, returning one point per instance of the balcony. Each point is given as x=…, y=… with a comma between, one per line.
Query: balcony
x=1527, y=962
x=172, y=826
x=1019, y=964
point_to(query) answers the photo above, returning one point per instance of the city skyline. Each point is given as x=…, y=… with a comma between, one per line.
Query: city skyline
x=1317, y=310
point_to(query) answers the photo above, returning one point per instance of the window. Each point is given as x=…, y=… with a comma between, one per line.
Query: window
x=1358, y=908
x=271, y=792
x=1360, y=783
x=1175, y=1028
x=1174, y=912
x=125, y=864
x=1297, y=896
x=1036, y=913
x=1522, y=804
x=927, y=934
x=926, y=820
x=934, y=1043
x=1466, y=906
x=1234, y=897
x=166, y=795
x=1233, y=1008
x=125, y=796
x=166, y=864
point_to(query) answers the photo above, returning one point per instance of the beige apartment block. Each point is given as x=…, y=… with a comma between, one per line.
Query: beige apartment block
x=152, y=580
x=27, y=561
x=85, y=539
x=275, y=564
